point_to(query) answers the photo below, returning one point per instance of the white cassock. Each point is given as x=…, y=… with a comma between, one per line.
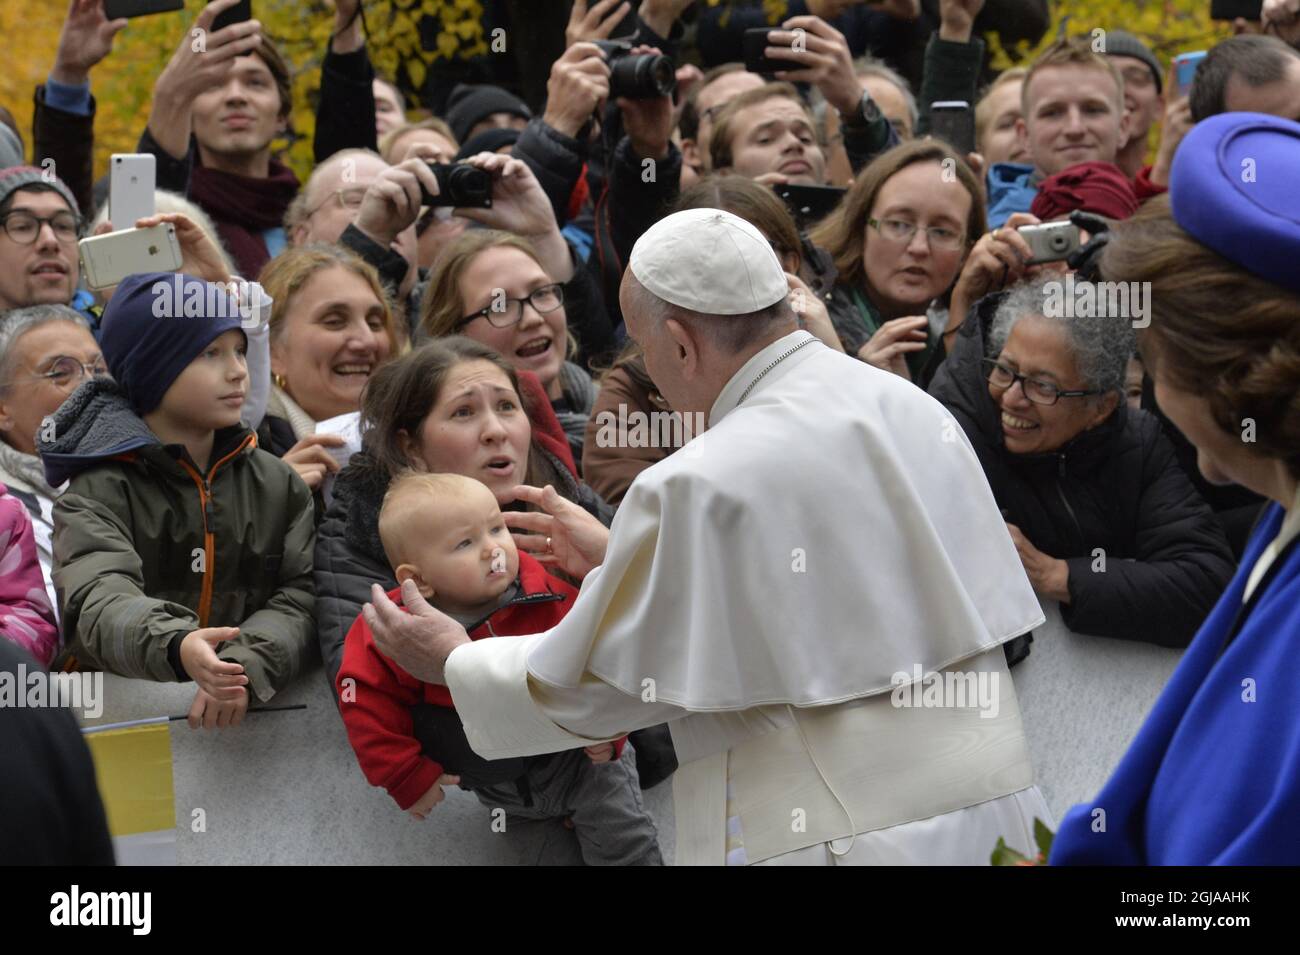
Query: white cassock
x=761, y=588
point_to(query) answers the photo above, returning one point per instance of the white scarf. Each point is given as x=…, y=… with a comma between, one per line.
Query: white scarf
x=282, y=406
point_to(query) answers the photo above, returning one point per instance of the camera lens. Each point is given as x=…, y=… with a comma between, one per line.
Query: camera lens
x=642, y=77
x=467, y=186
x=1059, y=242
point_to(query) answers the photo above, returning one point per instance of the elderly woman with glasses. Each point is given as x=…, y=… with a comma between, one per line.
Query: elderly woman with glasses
x=46, y=351
x=1105, y=519
x=491, y=286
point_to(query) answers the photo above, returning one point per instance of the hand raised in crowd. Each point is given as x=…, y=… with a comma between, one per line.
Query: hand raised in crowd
x=688, y=76
x=997, y=261
x=898, y=9
x=812, y=312
x=1178, y=123
x=86, y=38
x=424, y=805
x=213, y=714
x=220, y=680
x=577, y=88
x=393, y=200
x=825, y=60
x=660, y=15
x=200, y=63
x=893, y=341
x=600, y=753
x=199, y=254
x=347, y=37
x=310, y=459
x=594, y=21
x=648, y=122
x=1049, y=576
x=1281, y=18
x=520, y=205
x=957, y=19
x=562, y=534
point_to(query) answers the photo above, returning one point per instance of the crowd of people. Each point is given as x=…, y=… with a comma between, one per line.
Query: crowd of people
x=420, y=391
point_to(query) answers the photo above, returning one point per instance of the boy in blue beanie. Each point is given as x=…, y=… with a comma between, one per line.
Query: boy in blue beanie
x=181, y=550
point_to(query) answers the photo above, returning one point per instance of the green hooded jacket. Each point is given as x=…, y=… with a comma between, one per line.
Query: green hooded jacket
x=147, y=547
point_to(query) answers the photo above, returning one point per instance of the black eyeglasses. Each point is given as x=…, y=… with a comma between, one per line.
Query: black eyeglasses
x=1036, y=390
x=504, y=312
x=23, y=227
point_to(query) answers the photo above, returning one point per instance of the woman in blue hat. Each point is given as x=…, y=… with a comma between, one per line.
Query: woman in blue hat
x=1213, y=777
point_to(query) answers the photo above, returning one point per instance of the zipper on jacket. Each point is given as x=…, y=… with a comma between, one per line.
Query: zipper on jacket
x=1060, y=492
x=204, y=485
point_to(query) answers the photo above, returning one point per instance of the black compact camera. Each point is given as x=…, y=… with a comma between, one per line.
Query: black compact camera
x=637, y=75
x=460, y=185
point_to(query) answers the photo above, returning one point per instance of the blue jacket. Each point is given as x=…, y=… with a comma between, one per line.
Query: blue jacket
x=1011, y=189
x=1213, y=776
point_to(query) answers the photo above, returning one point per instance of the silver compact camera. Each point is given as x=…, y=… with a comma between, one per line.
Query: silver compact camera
x=1051, y=241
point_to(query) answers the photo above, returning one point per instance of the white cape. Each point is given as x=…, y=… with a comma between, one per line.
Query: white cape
x=831, y=531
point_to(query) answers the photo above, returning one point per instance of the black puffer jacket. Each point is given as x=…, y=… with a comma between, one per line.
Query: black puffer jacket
x=1117, y=488
x=350, y=556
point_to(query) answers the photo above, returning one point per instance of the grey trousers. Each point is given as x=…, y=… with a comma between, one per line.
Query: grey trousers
x=610, y=824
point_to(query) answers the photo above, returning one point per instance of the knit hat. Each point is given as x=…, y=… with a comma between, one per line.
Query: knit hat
x=488, y=141
x=156, y=324
x=467, y=105
x=20, y=177
x=1123, y=43
x=1097, y=187
x=11, y=148
x=1232, y=188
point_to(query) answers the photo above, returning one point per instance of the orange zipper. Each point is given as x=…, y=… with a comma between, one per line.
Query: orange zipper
x=209, y=541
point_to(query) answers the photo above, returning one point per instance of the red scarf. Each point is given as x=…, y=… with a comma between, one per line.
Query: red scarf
x=243, y=207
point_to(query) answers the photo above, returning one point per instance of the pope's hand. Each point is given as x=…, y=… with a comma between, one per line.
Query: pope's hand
x=564, y=535
x=420, y=641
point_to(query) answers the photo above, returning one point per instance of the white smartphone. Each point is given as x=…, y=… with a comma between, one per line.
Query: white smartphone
x=107, y=259
x=131, y=183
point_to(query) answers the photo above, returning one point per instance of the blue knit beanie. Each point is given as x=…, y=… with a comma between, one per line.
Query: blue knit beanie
x=155, y=325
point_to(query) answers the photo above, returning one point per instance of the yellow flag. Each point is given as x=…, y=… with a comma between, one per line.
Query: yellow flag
x=133, y=767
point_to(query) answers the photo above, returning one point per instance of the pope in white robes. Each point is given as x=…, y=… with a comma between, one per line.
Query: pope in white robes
x=813, y=594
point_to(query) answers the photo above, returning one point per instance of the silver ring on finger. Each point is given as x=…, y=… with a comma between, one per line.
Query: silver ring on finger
x=548, y=545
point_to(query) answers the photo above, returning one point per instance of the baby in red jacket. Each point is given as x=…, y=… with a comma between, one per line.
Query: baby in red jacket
x=446, y=532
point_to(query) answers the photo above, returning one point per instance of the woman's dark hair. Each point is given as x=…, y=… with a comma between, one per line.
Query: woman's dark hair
x=1214, y=329
x=401, y=393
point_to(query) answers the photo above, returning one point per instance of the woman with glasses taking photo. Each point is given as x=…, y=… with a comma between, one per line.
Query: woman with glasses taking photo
x=491, y=286
x=899, y=239
x=1104, y=518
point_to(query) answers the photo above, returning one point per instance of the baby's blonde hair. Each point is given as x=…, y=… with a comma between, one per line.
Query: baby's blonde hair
x=409, y=504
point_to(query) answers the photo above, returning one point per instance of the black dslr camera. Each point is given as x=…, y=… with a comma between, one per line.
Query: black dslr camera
x=637, y=75
x=459, y=184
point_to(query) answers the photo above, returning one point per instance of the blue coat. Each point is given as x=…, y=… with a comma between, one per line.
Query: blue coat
x=1213, y=776
x=1012, y=187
